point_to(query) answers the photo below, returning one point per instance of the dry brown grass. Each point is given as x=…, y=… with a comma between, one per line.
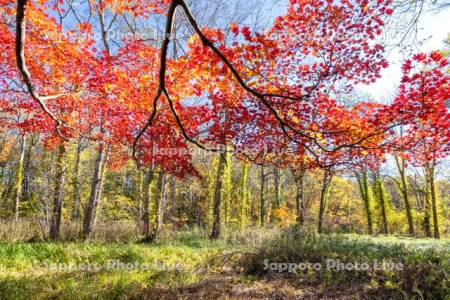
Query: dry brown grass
x=234, y=288
x=35, y=229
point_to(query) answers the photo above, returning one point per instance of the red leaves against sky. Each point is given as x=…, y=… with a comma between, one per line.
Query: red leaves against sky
x=421, y=105
x=318, y=49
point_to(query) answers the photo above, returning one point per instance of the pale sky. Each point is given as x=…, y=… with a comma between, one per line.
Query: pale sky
x=436, y=25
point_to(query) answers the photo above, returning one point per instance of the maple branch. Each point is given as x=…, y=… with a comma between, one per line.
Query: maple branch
x=163, y=64
x=53, y=97
x=26, y=76
x=162, y=75
x=261, y=96
x=364, y=138
x=147, y=124
x=70, y=3
x=183, y=130
x=260, y=162
x=103, y=30
x=21, y=62
x=208, y=43
x=180, y=124
x=394, y=180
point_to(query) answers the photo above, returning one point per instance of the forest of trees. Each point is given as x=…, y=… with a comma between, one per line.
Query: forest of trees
x=225, y=134
x=218, y=127
x=147, y=200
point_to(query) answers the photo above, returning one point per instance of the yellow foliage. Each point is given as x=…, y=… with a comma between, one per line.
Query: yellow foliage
x=284, y=218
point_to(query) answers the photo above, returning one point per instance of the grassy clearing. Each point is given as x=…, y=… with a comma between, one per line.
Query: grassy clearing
x=188, y=265
x=425, y=262
x=30, y=269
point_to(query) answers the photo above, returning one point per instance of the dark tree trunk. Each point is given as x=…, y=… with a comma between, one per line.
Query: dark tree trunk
x=364, y=191
x=19, y=175
x=382, y=200
x=427, y=209
x=26, y=193
x=55, y=224
x=299, y=198
x=434, y=204
x=139, y=197
x=277, y=183
x=216, y=226
x=326, y=180
x=408, y=208
x=404, y=191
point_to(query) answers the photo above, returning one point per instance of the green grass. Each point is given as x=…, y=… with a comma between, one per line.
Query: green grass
x=426, y=262
x=27, y=270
